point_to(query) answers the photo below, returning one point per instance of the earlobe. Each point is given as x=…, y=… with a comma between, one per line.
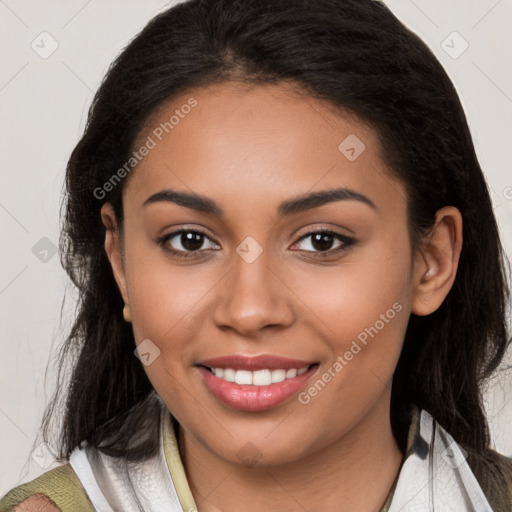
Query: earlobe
x=437, y=262
x=113, y=248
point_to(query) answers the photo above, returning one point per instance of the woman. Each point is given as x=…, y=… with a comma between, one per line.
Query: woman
x=291, y=282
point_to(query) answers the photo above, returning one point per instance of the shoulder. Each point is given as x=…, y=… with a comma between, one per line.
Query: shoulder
x=58, y=489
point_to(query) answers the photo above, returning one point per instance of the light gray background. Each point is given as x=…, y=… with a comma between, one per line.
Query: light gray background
x=44, y=102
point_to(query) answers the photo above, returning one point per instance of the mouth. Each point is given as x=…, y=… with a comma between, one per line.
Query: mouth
x=255, y=383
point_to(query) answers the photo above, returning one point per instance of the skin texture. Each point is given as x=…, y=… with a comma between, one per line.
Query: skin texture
x=249, y=149
x=37, y=503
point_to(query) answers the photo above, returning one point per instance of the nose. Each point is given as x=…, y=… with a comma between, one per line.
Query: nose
x=252, y=298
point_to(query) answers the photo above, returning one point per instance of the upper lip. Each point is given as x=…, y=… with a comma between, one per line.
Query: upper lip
x=254, y=363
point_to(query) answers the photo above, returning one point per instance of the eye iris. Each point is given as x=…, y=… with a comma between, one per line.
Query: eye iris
x=322, y=241
x=191, y=241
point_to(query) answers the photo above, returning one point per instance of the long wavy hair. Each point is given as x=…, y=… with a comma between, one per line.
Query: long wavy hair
x=357, y=56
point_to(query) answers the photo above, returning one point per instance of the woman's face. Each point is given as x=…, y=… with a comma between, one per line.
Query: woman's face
x=326, y=283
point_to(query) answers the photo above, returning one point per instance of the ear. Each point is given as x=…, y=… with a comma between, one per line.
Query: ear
x=437, y=261
x=113, y=248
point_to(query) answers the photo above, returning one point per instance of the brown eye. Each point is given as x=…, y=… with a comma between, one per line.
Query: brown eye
x=186, y=241
x=323, y=241
x=191, y=241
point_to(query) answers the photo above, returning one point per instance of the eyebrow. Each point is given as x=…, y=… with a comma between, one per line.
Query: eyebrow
x=291, y=206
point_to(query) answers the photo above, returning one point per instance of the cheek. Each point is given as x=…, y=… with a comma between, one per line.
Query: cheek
x=166, y=299
x=164, y=295
x=167, y=302
x=362, y=309
x=350, y=298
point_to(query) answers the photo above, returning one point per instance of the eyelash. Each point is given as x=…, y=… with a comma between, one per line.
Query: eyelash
x=347, y=242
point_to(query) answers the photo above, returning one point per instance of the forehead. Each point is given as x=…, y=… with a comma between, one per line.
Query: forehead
x=254, y=144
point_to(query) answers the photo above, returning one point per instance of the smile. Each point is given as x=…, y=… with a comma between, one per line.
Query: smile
x=254, y=383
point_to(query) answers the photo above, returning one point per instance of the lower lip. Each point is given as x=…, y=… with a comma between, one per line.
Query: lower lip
x=249, y=397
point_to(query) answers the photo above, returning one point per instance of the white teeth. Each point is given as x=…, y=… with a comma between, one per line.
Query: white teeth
x=292, y=372
x=243, y=377
x=262, y=377
x=258, y=377
x=229, y=375
x=278, y=376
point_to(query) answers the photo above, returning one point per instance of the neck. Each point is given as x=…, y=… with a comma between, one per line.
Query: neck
x=356, y=472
